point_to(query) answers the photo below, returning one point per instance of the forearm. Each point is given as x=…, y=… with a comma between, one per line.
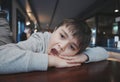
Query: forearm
x=96, y=54
x=15, y=60
x=114, y=55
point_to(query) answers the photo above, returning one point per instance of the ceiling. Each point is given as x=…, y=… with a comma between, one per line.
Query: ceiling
x=49, y=13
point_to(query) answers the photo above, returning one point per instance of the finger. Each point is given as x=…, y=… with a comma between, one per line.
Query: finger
x=67, y=57
x=71, y=65
x=75, y=61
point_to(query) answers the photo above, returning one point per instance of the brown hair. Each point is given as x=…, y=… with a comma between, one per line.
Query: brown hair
x=79, y=30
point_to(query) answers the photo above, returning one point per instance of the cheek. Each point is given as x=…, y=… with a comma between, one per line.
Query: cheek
x=53, y=42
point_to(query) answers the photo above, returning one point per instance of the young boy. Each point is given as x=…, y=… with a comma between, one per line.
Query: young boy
x=43, y=50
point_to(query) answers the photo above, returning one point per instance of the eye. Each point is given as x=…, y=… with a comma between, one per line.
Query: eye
x=72, y=47
x=62, y=36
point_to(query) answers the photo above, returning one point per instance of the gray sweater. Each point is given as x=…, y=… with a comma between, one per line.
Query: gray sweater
x=30, y=55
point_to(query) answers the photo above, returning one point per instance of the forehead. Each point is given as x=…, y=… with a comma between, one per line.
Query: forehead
x=69, y=28
x=70, y=32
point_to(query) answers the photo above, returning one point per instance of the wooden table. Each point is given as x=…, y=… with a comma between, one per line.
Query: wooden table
x=105, y=71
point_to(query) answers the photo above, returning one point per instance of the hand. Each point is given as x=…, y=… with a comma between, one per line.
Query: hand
x=77, y=59
x=114, y=56
x=55, y=61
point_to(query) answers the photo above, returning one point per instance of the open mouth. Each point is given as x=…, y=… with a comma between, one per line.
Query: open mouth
x=54, y=51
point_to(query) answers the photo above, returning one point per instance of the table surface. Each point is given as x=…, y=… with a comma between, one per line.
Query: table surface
x=104, y=71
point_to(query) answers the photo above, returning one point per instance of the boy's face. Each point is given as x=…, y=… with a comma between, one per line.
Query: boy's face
x=62, y=43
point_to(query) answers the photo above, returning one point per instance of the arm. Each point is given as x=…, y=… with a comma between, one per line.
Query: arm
x=114, y=56
x=26, y=56
x=99, y=54
x=96, y=54
x=23, y=57
x=16, y=60
x=89, y=55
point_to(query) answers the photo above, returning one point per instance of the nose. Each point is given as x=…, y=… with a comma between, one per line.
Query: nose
x=63, y=45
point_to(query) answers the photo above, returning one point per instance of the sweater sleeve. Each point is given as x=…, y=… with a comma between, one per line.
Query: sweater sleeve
x=96, y=54
x=15, y=58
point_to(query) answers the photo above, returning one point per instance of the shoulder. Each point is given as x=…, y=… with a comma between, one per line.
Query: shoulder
x=41, y=35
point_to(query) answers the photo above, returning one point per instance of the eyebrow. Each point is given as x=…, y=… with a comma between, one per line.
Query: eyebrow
x=68, y=36
x=65, y=33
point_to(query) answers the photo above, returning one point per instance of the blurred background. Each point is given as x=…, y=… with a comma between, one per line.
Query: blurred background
x=19, y=18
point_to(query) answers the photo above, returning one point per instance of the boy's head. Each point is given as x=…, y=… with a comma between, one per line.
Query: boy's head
x=70, y=37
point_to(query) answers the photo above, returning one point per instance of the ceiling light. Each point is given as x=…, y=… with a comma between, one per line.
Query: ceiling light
x=116, y=6
x=116, y=10
x=28, y=23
